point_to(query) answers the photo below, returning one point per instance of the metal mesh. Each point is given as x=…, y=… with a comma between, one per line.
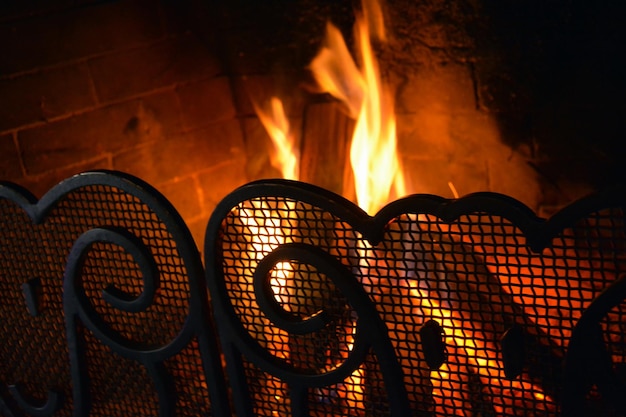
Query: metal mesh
x=476, y=277
x=34, y=350
x=31, y=346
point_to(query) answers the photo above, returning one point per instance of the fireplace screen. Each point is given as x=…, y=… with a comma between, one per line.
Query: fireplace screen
x=434, y=307
x=102, y=304
x=472, y=307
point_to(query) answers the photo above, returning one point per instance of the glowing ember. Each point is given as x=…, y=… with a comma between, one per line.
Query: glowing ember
x=471, y=352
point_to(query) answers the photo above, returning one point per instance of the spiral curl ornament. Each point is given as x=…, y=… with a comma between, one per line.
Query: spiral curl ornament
x=114, y=296
x=371, y=332
x=78, y=307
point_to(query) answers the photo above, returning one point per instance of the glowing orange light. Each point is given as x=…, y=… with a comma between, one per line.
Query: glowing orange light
x=276, y=123
x=373, y=155
x=378, y=177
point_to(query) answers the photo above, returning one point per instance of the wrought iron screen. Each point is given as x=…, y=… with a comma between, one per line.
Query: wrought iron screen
x=433, y=307
x=473, y=307
x=103, y=304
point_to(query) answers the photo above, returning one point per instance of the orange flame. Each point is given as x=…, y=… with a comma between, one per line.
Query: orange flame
x=276, y=123
x=378, y=177
x=373, y=155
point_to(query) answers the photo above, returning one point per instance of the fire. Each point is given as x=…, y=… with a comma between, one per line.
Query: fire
x=276, y=123
x=378, y=179
x=267, y=234
x=360, y=88
x=270, y=234
x=471, y=353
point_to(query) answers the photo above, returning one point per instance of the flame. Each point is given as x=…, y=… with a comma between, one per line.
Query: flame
x=276, y=123
x=375, y=162
x=373, y=155
x=378, y=177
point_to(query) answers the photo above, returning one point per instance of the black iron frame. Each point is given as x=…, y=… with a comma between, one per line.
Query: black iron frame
x=206, y=319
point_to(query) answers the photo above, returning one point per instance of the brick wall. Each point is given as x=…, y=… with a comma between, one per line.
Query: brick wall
x=487, y=99
x=118, y=85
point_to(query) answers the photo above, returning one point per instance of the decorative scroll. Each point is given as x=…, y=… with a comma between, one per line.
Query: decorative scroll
x=104, y=308
x=433, y=307
x=478, y=297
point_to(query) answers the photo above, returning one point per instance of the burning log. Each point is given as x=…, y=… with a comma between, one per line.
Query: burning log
x=324, y=150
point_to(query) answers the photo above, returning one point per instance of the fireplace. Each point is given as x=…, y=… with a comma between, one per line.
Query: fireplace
x=520, y=99
x=488, y=95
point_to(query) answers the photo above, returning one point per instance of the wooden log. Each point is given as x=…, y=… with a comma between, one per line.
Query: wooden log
x=325, y=148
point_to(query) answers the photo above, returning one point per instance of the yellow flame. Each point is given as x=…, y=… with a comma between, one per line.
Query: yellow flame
x=276, y=123
x=373, y=155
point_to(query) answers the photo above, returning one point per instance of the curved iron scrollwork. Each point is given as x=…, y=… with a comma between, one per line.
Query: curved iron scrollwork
x=78, y=305
x=432, y=307
x=588, y=362
x=370, y=329
x=51, y=405
x=478, y=295
x=111, y=279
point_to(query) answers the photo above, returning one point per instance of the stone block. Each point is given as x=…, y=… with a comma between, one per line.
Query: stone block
x=74, y=33
x=205, y=102
x=165, y=63
x=184, y=154
x=44, y=95
x=106, y=129
x=10, y=168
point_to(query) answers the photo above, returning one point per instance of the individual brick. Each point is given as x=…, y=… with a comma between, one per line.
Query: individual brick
x=219, y=181
x=40, y=184
x=165, y=63
x=44, y=95
x=205, y=102
x=183, y=194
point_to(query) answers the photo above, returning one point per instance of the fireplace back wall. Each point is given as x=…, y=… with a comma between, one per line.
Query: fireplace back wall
x=523, y=99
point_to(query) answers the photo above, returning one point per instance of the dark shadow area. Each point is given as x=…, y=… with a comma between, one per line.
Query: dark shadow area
x=553, y=73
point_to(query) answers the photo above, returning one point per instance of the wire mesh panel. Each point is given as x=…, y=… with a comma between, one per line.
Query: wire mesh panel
x=103, y=310
x=478, y=298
